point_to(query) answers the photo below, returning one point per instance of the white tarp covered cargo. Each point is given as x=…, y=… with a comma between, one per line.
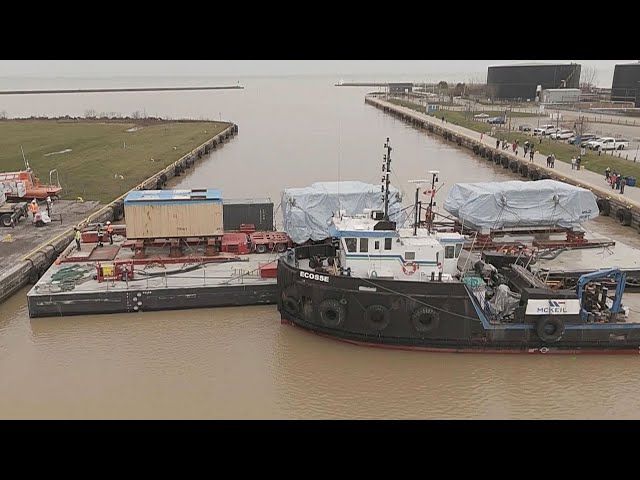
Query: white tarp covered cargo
x=307, y=211
x=519, y=204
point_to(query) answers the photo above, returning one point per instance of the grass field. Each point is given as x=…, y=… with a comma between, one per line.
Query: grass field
x=591, y=161
x=459, y=118
x=100, y=151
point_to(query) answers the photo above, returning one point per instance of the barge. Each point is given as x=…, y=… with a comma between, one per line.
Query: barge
x=172, y=254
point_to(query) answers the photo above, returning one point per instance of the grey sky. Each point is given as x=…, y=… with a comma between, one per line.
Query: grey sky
x=431, y=70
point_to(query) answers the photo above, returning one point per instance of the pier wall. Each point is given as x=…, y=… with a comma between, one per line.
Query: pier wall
x=625, y=210
x=36, y=262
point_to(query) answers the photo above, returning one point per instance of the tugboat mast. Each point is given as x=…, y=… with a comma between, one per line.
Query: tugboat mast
x=386, y=170
x=434, y=180
x=416, y=213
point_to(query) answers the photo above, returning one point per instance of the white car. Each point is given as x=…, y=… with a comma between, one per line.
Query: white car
x=562, y=135
x=545, y=130
x=481, y=115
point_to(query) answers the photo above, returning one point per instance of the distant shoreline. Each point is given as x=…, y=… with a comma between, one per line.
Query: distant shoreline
x=107, y=90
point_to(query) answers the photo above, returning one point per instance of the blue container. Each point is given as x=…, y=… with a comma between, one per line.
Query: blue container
x=631, y=181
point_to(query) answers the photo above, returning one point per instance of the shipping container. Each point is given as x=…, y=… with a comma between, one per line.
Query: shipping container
x=173, y=213
x=258, y=212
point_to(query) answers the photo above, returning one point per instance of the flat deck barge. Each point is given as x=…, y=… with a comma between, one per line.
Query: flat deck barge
x=99, y=280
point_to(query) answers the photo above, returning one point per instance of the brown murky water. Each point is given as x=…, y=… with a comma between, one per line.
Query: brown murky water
x=241, y=362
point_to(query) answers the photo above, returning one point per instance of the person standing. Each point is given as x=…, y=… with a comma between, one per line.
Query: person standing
x=34, y=208
x=618, y=181
x=100, y=235
x=110, y=232
x=578, y=162
x=77, y=236
x=553, y=160
x=497, y=143
x=49, y=205
x=607, y=173
x=573, y=163
x=623, y=182
x=613, y=180
x=531, y=154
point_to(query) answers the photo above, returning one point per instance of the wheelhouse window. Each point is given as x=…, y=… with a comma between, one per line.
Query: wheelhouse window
x=449, y=251
x=409, y=255
x=352, y=244
x=458, y=249
x=364, y=245
x=387, y=243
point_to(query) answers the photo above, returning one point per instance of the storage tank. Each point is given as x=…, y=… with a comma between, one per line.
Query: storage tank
x=173, y=213
x=520, y=81
x=626, y=83
x=257, y=211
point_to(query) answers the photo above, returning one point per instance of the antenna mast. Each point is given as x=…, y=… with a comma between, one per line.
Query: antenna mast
x=386, y=170
x=26, y=162
x=434, y=180
x=416, y=214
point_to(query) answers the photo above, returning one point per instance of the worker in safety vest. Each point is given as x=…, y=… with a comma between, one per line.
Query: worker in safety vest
x=77, y=236
x=110, y=232
x=34, y=208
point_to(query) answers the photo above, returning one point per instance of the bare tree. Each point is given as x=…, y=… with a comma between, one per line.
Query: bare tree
x=90, y=113
x=588, y=77
x=3, y=115
x=136, y=115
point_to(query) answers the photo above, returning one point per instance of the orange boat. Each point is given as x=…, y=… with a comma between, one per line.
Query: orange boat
x=34, y=189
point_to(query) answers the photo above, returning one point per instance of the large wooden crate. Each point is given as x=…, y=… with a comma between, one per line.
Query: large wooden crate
x=173, y=213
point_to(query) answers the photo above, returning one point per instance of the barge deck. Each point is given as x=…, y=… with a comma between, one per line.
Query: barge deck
x=98, y=280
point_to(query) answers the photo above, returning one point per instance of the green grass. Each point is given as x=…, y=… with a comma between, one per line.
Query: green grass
x=565, y=151
x=101, y=151
x=459, y=118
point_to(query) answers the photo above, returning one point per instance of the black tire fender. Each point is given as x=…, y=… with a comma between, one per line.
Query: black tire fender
x=550, y=329
x=604, y=206
x=624, y=216
x=291, y=304
x=377, y=317
x=425, y=319
x=332, y=313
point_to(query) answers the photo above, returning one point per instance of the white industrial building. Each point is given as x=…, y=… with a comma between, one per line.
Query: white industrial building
x=561, y=95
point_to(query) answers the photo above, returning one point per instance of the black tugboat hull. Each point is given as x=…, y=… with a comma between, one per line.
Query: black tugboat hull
x=429, y=316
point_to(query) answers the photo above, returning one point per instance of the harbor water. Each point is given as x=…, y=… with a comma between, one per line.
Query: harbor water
x=241, y=362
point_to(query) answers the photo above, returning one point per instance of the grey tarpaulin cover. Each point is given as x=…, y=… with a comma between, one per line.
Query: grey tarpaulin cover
x=520, y=204
x=307, y=211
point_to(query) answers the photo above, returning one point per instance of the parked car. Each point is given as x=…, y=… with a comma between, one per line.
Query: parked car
x=481, y=116
x=562, y=134
x=591, y=143
x=580, y=139
x=609, y=143
x=525, y=128
x=496, y=121
x=545, y=130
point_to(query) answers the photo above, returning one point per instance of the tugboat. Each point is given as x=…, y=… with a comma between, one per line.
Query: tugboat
x=378, y=284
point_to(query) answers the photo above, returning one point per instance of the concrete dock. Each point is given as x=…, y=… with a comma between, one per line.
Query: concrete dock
x=625, y=208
